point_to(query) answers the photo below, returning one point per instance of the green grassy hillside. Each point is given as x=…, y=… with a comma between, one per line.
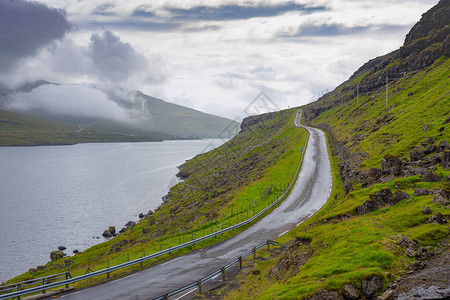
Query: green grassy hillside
x=387, y=217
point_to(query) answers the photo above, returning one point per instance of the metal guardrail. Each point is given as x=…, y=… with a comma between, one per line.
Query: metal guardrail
x=35, y=281
x=157, y=254
x=212, y=275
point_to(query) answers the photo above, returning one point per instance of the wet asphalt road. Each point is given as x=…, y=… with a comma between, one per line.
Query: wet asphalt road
x=310, y=193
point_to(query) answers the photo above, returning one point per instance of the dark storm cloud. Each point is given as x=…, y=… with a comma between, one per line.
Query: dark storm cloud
x=114, y=59
x=238, y=12
x=329, y=30
x=26, y=27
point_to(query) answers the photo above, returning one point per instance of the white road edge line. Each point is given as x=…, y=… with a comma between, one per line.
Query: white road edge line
x=299, y=223
x=114, y=281
x=186, y=294
x=283, y=233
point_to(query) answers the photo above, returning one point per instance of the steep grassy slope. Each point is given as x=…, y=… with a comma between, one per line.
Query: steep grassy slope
x=386, y=216
x=20, y=130
x=221, y=187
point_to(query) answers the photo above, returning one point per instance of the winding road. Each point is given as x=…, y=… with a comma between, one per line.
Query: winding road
x=310, y=192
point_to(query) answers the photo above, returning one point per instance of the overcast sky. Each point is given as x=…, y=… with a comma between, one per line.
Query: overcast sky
x=216, y=56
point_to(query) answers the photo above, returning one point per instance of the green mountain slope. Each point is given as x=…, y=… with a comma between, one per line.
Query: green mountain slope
x=179, y=120
x=385, y=227
x=21, y=130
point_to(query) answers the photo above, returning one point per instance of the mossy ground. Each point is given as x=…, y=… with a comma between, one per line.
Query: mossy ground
x=208, y=200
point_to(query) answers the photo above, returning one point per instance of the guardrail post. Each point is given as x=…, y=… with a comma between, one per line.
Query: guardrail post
x=166, y=296
x=107, y=274
x=240, y=262
x=18, y=289
x=67, y=277
x=223, y=273
x=200, y=286
x=43, y=283
x=254, y=252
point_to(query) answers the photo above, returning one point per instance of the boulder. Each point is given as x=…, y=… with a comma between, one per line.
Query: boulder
x=387, y=295
x=324, y=294
x=421, y=192
x=32, y=271
x=112, y=229
x=55, y=255
x=445, y=159
x=416, y=155
x=75, y=251
x=440, y=199
x=426, y=210
x=371, y=286
x=437, y=218
x=375, y=173
x=431, y=177
x=430, y=149
x=442, y=146
x=392, y=165
x=350, y=292
x=130, y=224
x=141, y=216
x=61, y=248
x=379, y=199
x=107, y=233
x=398, y=196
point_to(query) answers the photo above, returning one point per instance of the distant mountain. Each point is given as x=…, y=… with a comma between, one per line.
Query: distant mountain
x=129, y=113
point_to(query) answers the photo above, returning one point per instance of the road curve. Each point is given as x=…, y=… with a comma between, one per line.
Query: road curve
x=309, y=194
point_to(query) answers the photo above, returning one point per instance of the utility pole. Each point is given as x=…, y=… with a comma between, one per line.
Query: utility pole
x=387, y=88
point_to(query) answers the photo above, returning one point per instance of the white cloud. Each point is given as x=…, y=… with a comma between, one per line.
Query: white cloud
x=69, y=100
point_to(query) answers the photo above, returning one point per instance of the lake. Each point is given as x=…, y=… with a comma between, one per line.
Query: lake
x=67, y=196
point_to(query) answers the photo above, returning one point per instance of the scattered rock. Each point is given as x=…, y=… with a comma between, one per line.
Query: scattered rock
x=426, y=127
x=130, y=224
x=426, y=210
x=75, y=251
x=380, y=199
x=387, y=295
x=256, y=272
x=350, y=292
x=410, y=252
x=447, y=178
x=32, y=271
x=61, y=248
x=442, y=146
x=371, y=286
x=107, y=233
x=421, y=192
x=446, y=121
x=145, y=230
x=430, y=149
x=439, y=199
x=324, y=294
x=431, y=177
x=41, y=268
x=416, y=155
x=391, y=165
x=141, y=216
x=375, y=173
x=118, y=246
x=55, y=255
x=437, y=218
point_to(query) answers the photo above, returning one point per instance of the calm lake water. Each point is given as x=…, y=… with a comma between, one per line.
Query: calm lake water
x=54, y=196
